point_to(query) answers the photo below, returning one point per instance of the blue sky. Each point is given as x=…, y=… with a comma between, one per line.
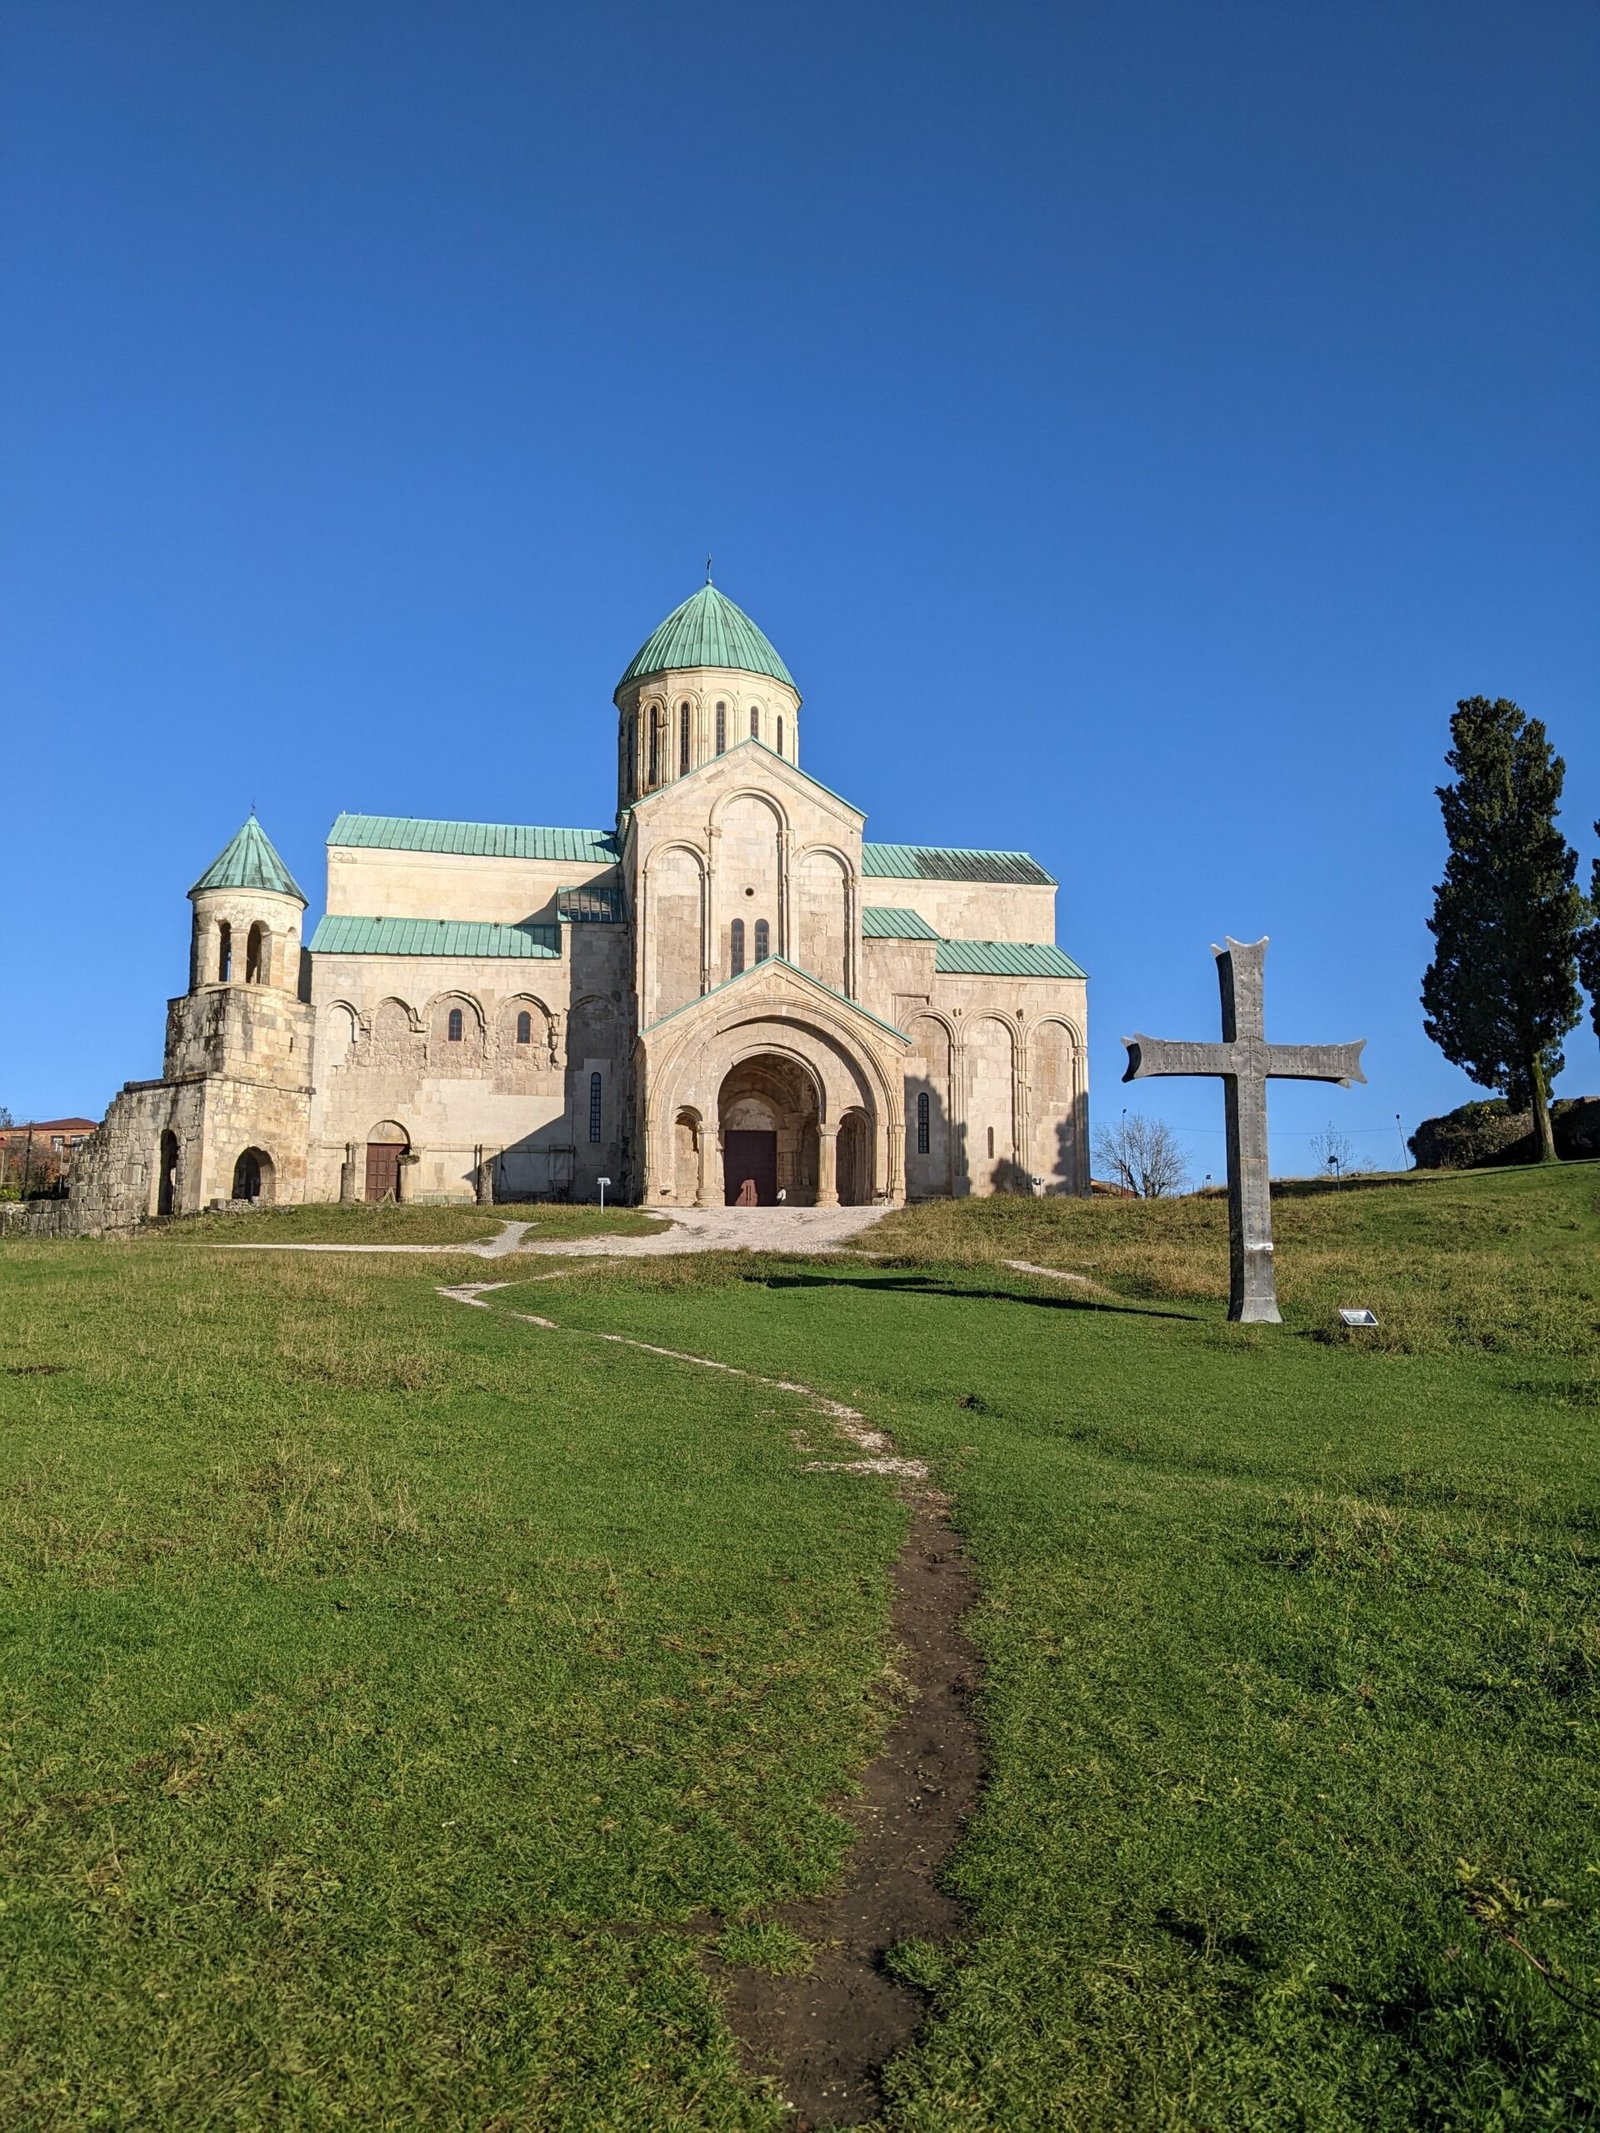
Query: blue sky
x=1136, y=425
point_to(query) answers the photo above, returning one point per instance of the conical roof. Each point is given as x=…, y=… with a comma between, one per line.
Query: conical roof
x=707, y=631
x=249, y=862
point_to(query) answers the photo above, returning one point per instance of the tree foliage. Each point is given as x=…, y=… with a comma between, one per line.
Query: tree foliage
x=1589, y=947
x=1143, y=1154
x=1501, y=991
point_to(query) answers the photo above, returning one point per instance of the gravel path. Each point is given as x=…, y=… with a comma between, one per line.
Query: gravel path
x=697, y=1229
x=725, y=1229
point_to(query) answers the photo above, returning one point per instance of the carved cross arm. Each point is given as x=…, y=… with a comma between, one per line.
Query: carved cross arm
x=1164, y=1055
x=1318, y=1062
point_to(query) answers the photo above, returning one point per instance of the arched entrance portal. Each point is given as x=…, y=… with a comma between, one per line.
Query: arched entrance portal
x=767, y=1113
x=252, y=1176
x=386, y=1144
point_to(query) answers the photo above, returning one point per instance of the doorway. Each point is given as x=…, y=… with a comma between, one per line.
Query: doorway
x=749, y=1162
x=386, y=1144
x=167, y=1190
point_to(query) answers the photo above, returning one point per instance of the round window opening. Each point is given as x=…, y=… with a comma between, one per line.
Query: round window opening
x=749, y=892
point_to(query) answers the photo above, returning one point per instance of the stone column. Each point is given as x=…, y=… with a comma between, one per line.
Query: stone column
x=827, y=1167
x=351, y=1180
x=483, y=1163
x=896, y=1179
x=704, y=1142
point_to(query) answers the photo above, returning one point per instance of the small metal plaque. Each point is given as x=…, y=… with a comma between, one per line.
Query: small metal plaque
x=1359, y=1318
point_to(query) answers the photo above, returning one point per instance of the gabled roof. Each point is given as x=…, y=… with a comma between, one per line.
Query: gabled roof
x=347, y=935
x=476, y=840
x=1004, y=959
x=943, y=862
x=249, y=861
x=706, y=631
x=674, y=784
x=779, y=962
x=881, y=922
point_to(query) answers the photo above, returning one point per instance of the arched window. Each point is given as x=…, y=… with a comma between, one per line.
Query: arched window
x=454, y=1026
x=736, y=948
x=763, y=940
x=755, y=722
x=630, y=770
x=594, y=1107
x=256, y=955
x=780, y=733
x=923, y=1123
x=722, y=727
x=524, y=1027
x=224, y=952
x=683, y=740
x=657, y=720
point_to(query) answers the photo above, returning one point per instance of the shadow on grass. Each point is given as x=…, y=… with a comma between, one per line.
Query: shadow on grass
x=934, y=1285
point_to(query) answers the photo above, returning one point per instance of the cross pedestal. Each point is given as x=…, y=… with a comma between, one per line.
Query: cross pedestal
x=1246, y=1062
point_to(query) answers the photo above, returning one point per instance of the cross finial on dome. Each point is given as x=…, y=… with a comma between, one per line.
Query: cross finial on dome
x=708, y=570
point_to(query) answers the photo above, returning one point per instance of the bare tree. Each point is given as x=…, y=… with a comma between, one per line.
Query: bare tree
x=1333, y=1152
x=1142, y=1154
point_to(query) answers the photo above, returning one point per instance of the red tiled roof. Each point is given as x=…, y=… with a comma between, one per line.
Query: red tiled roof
x=52, y=1125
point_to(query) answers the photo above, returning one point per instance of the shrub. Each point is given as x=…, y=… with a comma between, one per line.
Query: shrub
x=1477, y=1134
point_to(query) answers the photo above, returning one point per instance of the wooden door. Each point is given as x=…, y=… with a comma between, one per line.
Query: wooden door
x=383, y=1169
x=753, y=1157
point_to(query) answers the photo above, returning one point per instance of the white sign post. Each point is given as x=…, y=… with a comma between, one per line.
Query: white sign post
x=603, y=1183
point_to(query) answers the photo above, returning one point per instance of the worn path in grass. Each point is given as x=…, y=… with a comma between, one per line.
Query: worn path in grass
x=824, y=2033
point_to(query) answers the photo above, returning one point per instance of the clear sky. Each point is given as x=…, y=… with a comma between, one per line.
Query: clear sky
x=1136, y=423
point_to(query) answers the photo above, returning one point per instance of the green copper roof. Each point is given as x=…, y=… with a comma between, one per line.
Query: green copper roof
x=1004, y=959
x=249, y=862
x=707, y=631
x=880, y=922
x=926, y=862
x=433, y=936
x=476, y=840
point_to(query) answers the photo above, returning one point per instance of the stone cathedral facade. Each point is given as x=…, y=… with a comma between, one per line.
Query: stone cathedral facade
x=730, y=996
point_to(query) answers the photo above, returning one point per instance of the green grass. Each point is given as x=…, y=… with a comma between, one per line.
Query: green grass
x=385, y=1680
x=383, y=1222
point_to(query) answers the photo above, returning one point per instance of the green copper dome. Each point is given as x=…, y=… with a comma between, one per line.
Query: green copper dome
x=707, y=631
x=249, y=862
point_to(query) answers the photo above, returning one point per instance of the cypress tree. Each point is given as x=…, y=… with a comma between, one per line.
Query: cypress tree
x=1589, y=947
x=1501, y=991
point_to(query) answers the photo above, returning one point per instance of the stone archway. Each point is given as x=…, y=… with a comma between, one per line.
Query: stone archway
x=767, y=1114
x=253, y=1177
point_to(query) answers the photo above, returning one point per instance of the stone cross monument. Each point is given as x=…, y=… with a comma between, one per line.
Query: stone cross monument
x=1245, y=1061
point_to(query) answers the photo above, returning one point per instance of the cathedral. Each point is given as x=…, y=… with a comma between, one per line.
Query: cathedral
x=732, y=996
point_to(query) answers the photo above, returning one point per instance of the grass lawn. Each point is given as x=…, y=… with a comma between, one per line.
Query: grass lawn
x=385, y=1680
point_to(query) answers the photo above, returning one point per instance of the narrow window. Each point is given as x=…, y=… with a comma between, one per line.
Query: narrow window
x=736, y=954
x=655, y=749
x=255, y=955
x=991, y=1140
x=722, y=727
x=683, y=740
x=763, y=940
x=630, y=775
x=594, y=1107
x=923, y=1134
x=454, y=1026
x=780, y=733
x=755, y=722
x=224, y=953
x=524, y=1027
